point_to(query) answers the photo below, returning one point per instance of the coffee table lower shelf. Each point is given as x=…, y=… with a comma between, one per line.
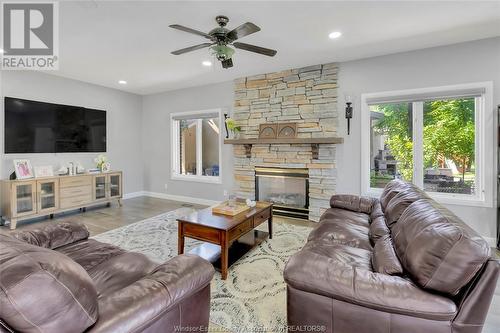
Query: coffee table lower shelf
x=226, y=238
x=212, y=252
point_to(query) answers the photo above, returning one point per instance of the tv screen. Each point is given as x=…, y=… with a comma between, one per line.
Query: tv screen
x=38, y=127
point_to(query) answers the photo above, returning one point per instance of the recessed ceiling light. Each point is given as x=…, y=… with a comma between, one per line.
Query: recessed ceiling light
x=122, y=82
x=207, y=63
x=335, y=34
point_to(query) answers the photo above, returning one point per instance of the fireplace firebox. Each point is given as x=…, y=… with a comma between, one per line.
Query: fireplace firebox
x=286, y=188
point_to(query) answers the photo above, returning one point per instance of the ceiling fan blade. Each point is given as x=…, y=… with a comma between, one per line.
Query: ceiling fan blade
x=191, y=31
x=243, y=30
x=191, y=48
x=256, y=49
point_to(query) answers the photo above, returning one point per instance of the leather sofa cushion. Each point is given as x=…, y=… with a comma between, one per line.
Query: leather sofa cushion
x=353, y=203
x=436, y=248
x=384, y=257
x=341, y=226
x=67, y=302
x=109, y=266
x=341, y=253
x=54, y=235
x=378, y=229
x=391, y=189
x=90, y=253
x=398, y=204
x=159, y=296
x=318, y=274
x=347, y=234
x=342, y=216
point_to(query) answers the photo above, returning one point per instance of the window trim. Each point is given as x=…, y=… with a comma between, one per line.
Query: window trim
x=175, y=153
x=485, y=177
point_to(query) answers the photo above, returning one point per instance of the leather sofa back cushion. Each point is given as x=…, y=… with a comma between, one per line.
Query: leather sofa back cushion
x=42, y=290
x=55, y=235
x=376, y=209
x=438, y=250
x=384, y=259
x=398, y=204
x=390, y=190
x=353, y=203
x=378, y=229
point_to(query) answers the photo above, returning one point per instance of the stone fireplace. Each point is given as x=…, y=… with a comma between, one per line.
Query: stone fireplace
x=307, y=96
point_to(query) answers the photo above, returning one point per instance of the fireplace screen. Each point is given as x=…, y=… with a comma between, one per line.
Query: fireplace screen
x=286, y=188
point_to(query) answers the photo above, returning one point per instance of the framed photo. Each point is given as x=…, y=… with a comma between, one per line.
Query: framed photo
x=44, y=171
x=23, y=169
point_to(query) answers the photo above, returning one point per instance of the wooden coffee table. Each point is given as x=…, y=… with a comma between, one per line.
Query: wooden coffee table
x=227, y=237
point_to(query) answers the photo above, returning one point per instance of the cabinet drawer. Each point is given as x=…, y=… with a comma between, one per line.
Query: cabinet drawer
x=201, y=233
x=241, y=229
x=76, y=191
x=76, y=181
x=75, y=201
x=261, y=217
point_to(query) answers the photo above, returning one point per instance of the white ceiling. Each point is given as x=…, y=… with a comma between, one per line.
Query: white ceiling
x=102, y=42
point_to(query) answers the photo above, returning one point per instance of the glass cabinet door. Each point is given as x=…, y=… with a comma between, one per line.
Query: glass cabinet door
x=48, y=198
x=99, y=187
x=24, y=198
x=115, y=185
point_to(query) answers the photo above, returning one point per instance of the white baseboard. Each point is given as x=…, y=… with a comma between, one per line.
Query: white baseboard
x=173, y=197
x=134, y=195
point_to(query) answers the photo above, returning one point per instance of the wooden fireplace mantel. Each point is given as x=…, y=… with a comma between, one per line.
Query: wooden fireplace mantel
x=314, y=142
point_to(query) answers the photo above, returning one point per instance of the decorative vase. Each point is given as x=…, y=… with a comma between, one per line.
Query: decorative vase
x=236, y=135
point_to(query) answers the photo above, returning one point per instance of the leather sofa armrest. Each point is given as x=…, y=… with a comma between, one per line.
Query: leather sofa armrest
x=318, y=274
x=54, y=235
x=149, y=299
x=352, y=202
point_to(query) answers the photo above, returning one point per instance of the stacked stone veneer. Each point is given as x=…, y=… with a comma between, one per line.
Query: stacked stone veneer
x=307, y=96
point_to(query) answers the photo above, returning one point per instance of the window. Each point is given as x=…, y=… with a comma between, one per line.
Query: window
x=196, y=146
x=431, y=137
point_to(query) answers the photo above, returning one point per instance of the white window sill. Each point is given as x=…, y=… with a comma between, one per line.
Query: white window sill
x=446, y=199
x=198, y=179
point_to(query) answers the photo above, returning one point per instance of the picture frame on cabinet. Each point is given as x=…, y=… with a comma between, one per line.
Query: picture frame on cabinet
x=23, y=169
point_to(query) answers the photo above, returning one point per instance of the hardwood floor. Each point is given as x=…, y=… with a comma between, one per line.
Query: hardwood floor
x=101, y=218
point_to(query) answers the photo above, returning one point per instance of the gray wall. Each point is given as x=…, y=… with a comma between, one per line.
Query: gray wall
x=156, y=139
x=123, y=121
x=461, y=63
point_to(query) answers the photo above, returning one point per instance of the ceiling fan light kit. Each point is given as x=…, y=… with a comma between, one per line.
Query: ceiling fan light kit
x=222, y=41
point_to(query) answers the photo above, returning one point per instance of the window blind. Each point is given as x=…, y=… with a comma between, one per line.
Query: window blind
x=428, y=96
x=208, y=115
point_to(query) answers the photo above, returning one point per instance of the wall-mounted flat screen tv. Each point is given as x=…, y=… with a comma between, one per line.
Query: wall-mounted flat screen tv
x=38, y=127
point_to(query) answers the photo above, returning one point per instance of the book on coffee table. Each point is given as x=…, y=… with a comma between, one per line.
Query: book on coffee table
x=230, y=208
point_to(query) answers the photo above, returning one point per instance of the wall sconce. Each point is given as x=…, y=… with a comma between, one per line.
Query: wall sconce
x=225, y=125
x=348, y=112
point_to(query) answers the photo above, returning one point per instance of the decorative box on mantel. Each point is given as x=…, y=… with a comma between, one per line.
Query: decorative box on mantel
x=314, y=142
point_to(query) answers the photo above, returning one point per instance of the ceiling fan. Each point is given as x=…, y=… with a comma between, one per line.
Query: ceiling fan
x=221, y=40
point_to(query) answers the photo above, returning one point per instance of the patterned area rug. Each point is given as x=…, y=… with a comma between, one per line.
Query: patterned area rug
x=253, y=298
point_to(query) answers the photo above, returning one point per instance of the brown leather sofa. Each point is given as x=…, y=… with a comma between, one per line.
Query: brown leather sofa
x=56, y=279
x=401, y=263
